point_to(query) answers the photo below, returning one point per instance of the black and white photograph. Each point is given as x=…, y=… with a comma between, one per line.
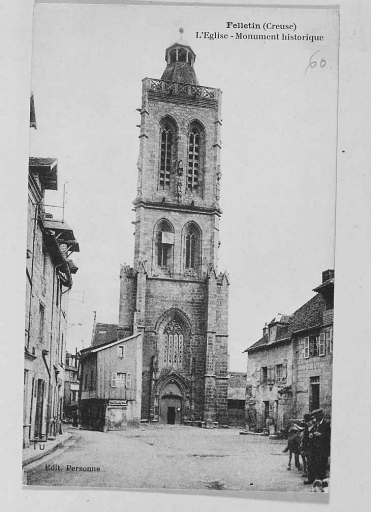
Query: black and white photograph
x=180, y=258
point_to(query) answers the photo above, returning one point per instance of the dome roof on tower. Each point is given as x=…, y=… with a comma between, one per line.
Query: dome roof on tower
x=180, y=59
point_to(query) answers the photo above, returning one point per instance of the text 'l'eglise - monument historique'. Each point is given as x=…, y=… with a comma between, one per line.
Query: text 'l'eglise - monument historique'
x=174, y=294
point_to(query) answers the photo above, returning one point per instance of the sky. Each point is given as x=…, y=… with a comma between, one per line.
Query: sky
x=278, y=157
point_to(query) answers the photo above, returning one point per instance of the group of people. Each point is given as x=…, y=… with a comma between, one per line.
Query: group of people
x=316, y=445
x=312, y=442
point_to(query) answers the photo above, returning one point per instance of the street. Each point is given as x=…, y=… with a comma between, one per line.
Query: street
x=168, y=457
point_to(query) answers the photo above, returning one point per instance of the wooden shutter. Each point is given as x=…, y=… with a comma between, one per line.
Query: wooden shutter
x=284, y=372
x=306, y=347
x=128, y=380
x=271, y=375
x=113, y=379
x=322, y=344
x=261, y=376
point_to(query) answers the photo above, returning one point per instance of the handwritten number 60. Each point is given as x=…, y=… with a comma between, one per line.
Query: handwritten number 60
x=313, y=63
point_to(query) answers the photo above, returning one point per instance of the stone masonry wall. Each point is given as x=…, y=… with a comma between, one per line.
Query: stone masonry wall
x=304, y=369
x=280, y=405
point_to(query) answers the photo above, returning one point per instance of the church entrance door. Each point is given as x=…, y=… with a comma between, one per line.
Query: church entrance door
x=171, y=410
x=171, y=415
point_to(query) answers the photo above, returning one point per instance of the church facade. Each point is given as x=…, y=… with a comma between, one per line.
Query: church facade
x=174, y=293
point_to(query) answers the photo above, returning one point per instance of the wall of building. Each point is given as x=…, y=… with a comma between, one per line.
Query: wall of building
x=280, y=404
x=44, y=347
x=313, y=367
x=108, y=362
x=89, y=385
x=103, y=363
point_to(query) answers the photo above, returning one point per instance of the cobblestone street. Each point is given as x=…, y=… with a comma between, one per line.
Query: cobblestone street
x=170, y=457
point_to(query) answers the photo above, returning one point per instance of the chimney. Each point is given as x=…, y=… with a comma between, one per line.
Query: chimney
x=327, y=274
x=265, y=329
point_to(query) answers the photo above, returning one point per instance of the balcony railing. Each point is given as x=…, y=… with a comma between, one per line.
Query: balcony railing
x=194, y=91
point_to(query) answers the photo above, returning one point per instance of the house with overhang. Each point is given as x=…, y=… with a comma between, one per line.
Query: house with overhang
x=111, y=384
x=49, y=271
x=71, y=387
x=289, y=369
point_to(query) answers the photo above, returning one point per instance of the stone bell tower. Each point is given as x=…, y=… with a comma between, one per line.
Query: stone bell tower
x=174, y=293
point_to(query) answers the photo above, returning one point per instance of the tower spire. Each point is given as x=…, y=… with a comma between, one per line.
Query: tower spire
x=180, y=60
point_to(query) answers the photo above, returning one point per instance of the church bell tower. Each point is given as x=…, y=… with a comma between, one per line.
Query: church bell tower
x=174, y=293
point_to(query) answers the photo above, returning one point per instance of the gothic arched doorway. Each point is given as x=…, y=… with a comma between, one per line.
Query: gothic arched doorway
x=171, y=404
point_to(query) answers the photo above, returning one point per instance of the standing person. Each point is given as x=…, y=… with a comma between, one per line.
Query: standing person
x=308, y=424
x=322, y=442
x=309, y=449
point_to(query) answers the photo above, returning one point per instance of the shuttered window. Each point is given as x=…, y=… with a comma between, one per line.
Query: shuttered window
x=128, y=380
x=270, y=379
x=120, y=380
x=329, y=341
x=263, y=375
x=306, y=347
x=322, y=344
x=313, y=346
x=113, y=379
x=284, y=372
x=279, y=373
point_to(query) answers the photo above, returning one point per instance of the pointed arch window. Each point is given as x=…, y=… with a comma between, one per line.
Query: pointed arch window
x=192, y=247
x=173, y=343
x=167, y=143
x=190, y=250
x=164, y=246
x=194, y=139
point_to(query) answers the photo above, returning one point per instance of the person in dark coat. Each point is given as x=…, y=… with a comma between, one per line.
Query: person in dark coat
x=308, y=425
x=322, y=443
x=309, y=449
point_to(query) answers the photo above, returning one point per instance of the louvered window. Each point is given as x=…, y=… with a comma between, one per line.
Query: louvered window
x=190, y=250
x=193, y=159
x=166, y=154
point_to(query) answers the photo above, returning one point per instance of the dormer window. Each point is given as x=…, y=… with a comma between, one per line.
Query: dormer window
x=272, y=333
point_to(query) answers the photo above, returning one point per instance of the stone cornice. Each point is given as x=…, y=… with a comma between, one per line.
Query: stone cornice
x=177, y=207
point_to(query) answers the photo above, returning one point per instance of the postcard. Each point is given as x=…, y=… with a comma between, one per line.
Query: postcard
x=179, y=313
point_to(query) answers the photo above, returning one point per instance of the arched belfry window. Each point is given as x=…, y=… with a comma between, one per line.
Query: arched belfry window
x=191, y=247
x=164, y=246
x=173, y=345
x=167, y=151
x=166, y=147
x=194, y=157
